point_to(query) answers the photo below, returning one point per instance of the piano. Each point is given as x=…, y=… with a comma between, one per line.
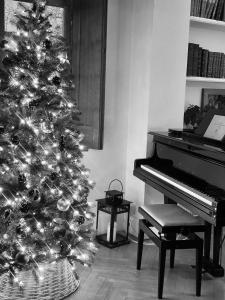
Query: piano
x=190, y=172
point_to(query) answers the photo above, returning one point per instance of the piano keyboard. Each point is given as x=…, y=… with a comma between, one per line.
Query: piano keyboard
x=181, y=186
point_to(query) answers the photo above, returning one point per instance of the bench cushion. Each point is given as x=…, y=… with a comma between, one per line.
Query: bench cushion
x=170, y=215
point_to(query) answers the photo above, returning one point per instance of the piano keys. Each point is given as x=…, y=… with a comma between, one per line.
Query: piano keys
x=191, y=173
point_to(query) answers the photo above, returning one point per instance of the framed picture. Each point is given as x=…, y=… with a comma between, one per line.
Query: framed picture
x=212, y=99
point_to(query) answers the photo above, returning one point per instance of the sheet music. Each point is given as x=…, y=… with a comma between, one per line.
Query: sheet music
x=216, y=129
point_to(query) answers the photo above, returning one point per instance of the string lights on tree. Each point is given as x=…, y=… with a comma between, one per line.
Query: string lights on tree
x=45, y=215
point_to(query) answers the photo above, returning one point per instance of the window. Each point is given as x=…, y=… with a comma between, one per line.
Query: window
x=83, y=23
x=57, y=18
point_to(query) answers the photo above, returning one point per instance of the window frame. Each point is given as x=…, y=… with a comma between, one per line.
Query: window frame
x=93, y=109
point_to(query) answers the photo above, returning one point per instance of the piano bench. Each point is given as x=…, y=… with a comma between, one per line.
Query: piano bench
x=162, y=223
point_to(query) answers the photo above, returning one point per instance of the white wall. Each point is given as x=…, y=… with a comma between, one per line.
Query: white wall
x=168, y=71
x=126, y=99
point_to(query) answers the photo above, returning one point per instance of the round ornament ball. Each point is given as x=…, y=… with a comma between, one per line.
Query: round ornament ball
x=7, y=62
x=19, y=229
x=69, y=235
x=3, y=43
x=80, y=220
x=25, y=207
x=59, y=232
x=15, y=139
x=34, y=194
x=21, y=180
x=21, y=258
x=63, y=204
x=54, y=176
x=7, y=213
x=2, y=129
x=56, y=80
x=47, y=44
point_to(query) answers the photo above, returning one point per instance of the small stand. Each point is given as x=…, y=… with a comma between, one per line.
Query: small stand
x=113, y=210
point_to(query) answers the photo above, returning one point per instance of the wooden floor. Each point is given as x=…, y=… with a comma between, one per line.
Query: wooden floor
x=114, y=277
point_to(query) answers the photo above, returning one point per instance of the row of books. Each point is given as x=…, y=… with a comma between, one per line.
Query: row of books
x=210, y=9
x=204, y=63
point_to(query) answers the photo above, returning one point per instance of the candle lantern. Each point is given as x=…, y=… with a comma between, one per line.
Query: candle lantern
x=114, y=205
x=114, y=197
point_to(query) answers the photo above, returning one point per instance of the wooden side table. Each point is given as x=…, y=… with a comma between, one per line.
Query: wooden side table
x=113, y=210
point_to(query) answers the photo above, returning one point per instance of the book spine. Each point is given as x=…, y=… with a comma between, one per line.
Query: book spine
x=203, y=8
x=199, y=61
x=223, y=12
x=199, y=7
x=222, y=66
x=215, y=9
x=218, y=65
x=210, y=64
x=192, y=8
x=190, y=59
x=205, y=54
x=210, y=9
x=195, y=60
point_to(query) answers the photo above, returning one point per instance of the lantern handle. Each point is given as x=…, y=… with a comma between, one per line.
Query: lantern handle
x=113, y=181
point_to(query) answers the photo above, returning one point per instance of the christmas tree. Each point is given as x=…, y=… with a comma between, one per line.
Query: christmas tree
x=44, y=212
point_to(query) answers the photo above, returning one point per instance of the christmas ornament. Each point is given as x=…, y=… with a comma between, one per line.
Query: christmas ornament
x=59, y=232
x=22, y=180
x=53, y=176
x=15, y=139
x=7, y=213
x=80, y=220
x=3, y=43
x=47, y=44
x=34, y=8
x=65, y=248
x=7, y=62
x=19, y=229
x=63, y=204
x=25, y=207
x=22, y=258
x=61, y=143
x=34, y=194
x=69, y=235
x=56, y=80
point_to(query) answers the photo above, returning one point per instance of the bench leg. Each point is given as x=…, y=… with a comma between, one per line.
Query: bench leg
x=199, y=254
x=172, y=251
x=140, y=248
x=162, y=259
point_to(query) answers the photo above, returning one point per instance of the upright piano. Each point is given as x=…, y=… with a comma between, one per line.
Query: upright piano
x=190, y=172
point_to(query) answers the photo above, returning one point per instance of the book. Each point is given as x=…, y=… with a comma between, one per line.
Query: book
x=210, y=8
x=215, y=9
x=190, y=59
x=195, y=60
x=205, y=56
x=203, y=8
x=210, y=64
x=218, y=15
x=192, y=7
x=199, y=71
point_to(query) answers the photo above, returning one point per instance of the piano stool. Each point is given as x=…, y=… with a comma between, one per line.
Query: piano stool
x=162, y=223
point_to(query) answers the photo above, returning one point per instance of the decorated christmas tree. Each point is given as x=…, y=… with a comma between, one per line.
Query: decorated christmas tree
x=44, y=212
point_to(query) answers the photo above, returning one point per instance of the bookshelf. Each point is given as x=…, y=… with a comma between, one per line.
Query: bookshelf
x=198, y=21
x=209, y=34
x=205, y=79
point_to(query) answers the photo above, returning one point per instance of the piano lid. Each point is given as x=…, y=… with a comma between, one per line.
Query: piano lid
x=198, y=146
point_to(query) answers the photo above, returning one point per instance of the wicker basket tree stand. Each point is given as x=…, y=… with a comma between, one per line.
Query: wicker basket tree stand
x=58, y=282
